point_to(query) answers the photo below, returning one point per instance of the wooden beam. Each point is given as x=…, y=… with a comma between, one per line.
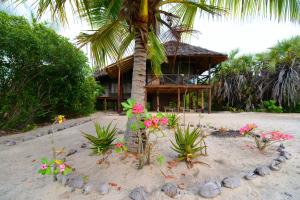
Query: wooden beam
x=178, y=99
x=202, y=101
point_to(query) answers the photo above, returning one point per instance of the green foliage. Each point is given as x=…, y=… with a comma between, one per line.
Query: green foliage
x=54, y=167
x=270, y=106
x=246, y=81
x=105, y=136
x=173, y=120
x=41, y=75
x=189, y=144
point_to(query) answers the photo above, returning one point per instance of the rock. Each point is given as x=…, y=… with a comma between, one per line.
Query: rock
x=275, y=165
x=250, y=176
x=88, y=188
x=39, y=135
x=83, y=145
x=103, y=188
x=281, y=159
x=286, y=155
x=76, y=182
x=138, y=194
x=262, y=171
x=71, y=189
x=71, y=152
x=282, y=146
x=210, y=189
x=63, y=179
x=121, y=132
x=27, y=138
x=231, y=182
x=11, y=143
x=49, y=131
x=169, y=189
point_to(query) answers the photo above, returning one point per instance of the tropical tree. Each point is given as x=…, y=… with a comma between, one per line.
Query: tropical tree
x=249, y=82
x=116, y=23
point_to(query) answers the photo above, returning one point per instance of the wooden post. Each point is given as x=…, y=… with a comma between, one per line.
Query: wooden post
x=197, y=95
x=105, y=105
x=209, y=100
x=202, y=101
x=119, y=91
x=190, y=100
x=157, y=101
x=178, y=99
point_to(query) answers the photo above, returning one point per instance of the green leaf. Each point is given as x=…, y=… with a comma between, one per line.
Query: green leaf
x=129, y=113
x=44, y=161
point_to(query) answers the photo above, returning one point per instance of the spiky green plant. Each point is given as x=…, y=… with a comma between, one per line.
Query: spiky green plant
x=105, y=136
x=173, y=120
x=189, y=144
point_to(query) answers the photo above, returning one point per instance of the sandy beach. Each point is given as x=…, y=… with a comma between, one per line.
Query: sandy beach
x=226, y=157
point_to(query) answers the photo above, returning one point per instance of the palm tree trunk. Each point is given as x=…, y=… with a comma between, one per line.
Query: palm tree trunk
x=137, y=88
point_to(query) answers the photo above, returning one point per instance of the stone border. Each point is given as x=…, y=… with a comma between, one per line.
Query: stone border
x=209, y=189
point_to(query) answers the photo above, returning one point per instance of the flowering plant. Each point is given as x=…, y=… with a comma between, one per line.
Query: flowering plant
x=120, y=147
x=264, y=140
x=54, y=167
x=247, y=129
x=143, y=125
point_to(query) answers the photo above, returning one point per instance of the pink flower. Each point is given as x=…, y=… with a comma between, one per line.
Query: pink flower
x=138, y=108
x=118, y=145
x=264, y=136
x=44, y=166
x=164, y=121
x=62, y=167
x=247, y=128
x=155, y=121
x=148, y=123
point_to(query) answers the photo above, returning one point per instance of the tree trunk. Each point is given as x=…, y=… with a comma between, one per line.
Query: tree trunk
x=137, y=88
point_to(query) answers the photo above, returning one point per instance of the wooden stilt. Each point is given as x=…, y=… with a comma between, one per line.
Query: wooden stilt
x=209, y=100
x=197, y=96
x=190, y=100
x=157, y=101
x=105, y=105
x=119, y=91
x=202, y=101
x=178, y=99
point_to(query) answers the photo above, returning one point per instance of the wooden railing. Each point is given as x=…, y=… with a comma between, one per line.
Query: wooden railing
x=177, y=79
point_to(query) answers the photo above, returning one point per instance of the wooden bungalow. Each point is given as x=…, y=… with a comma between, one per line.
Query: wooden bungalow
x=188, y=71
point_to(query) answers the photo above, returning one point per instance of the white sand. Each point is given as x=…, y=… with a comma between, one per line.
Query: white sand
x=227, y=156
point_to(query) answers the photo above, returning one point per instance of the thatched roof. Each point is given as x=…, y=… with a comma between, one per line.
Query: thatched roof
x=184, y=49
x=173, y=48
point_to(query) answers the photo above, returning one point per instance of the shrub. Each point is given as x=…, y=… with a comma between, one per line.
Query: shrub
x=270, y=106
x=103, y=141
x=189, y=144
x=173, y=120
x=41, y=75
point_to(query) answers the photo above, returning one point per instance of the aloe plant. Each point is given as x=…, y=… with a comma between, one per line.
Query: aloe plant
x=105, y=136
x=189, y=144
x=173, y=120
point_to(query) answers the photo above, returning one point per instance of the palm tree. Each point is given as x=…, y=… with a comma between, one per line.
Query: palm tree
x=117, y=23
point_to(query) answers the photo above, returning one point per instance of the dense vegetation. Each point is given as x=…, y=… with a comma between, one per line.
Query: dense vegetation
x=41, y=75
x=267, y=81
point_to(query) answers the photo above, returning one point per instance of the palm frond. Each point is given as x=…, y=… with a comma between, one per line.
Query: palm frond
x=156, y=53
x=288, y=10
